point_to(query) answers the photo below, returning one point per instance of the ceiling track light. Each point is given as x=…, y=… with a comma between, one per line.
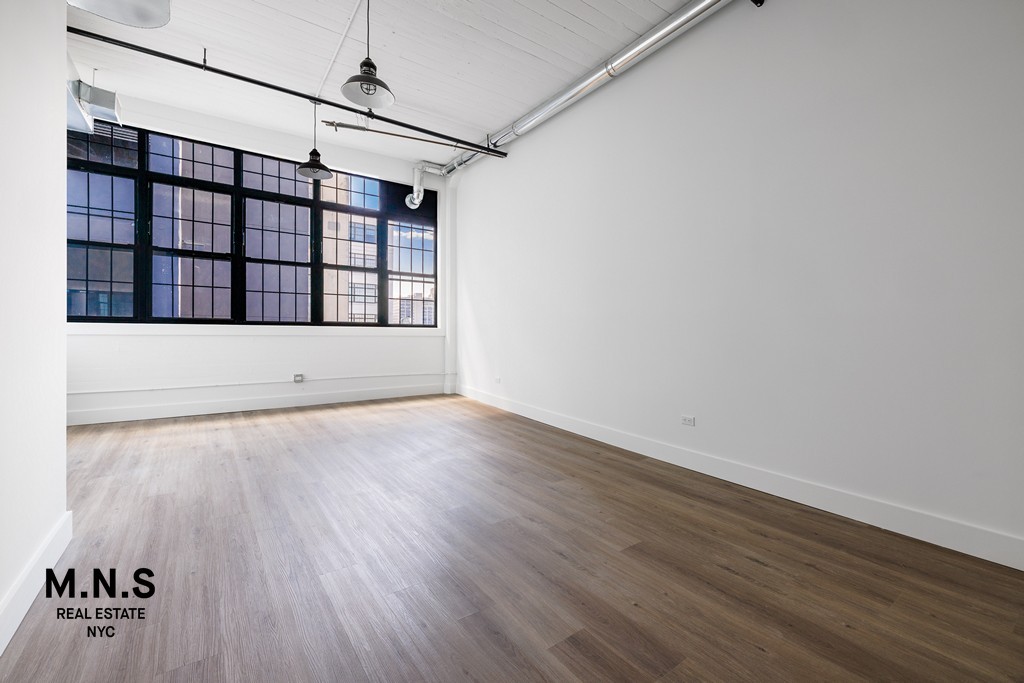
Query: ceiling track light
x=365, y=89
x=314, y=168
x=369, y=114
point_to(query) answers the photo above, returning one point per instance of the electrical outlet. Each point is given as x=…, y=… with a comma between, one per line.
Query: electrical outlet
x=497, y=379
x=298, y=377
x=689, y=420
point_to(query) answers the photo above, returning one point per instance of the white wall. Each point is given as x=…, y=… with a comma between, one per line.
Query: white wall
x=801, y=224
x=35, y=525
x=126, y=372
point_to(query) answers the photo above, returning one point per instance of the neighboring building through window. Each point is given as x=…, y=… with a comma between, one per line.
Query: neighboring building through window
x=162, y=229
x=411, y=281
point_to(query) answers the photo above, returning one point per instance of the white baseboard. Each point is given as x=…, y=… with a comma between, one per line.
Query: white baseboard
x=156, y=404
x=19, y=598
x=982, y=542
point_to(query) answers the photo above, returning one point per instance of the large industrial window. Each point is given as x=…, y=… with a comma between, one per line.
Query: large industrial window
x=165, y=229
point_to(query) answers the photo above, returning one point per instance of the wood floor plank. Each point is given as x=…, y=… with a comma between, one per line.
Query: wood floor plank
x=438, y=539
x=498, y=640
x=590, y=659
x=383, y=644
x=210, y=669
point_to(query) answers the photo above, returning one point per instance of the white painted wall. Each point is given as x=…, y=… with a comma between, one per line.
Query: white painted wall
x=802, y=224
x=35, y=525
x=125, y=372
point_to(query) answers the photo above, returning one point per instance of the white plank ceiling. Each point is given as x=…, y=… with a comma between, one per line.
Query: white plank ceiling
x=462, y=67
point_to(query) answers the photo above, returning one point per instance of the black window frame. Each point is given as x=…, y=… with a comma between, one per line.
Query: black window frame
x=89, y=244
x=391, y=209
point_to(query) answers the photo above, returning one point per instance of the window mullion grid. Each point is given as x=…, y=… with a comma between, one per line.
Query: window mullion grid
x=114, y=171
x=316, y=258
x=280, y=201
x=238, y=244
x=144, y=249
x=383, y=231
x=143, y=234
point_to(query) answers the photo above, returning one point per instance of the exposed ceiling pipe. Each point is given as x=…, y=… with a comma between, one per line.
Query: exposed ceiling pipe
x=415, y=198
x=675, y=25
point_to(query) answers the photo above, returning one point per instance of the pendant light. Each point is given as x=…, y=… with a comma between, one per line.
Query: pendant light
x=365, y=89
x=313, y=168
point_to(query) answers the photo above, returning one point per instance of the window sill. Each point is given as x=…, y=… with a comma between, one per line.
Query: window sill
x=84, y=329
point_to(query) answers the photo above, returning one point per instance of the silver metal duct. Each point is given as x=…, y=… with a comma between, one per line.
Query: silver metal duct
x=675, y=25
x=415, y=198
x=87, y=103
x=100, y=103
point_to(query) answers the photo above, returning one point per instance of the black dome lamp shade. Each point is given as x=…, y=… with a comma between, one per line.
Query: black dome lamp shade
x=365, y=89
x=314, y=169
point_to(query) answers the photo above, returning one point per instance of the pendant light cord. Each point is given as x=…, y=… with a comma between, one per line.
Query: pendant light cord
x=315, y=104
x=367, y=29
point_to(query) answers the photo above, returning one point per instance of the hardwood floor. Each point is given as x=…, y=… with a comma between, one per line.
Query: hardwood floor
x=437, y=539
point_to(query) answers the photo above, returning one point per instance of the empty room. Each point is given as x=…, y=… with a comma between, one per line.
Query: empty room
x=512, y=340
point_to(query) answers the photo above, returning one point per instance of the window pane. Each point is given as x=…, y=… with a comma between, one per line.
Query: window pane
x=78, y=145
x=271, y=175
x=162, y=269
x=349, y=240
x=99, y=282
x=107, y=144
x=124, y=195
x=99, y=264
x=122, y=266
x=411, y=248
x=191, y=287
x=288, y=279
x=96, y=204
x=222, y=274
x=221, y=302
x=253, y=306
x=162, y=301
x=78, y=188
x=101, y=192
x=101, y=229
x=270, y=229
x=410, y=300
x=277, y=293
x=223, y=157
x=350, y=296
x=198, y=224
x=185, y=159
x=352, y=190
